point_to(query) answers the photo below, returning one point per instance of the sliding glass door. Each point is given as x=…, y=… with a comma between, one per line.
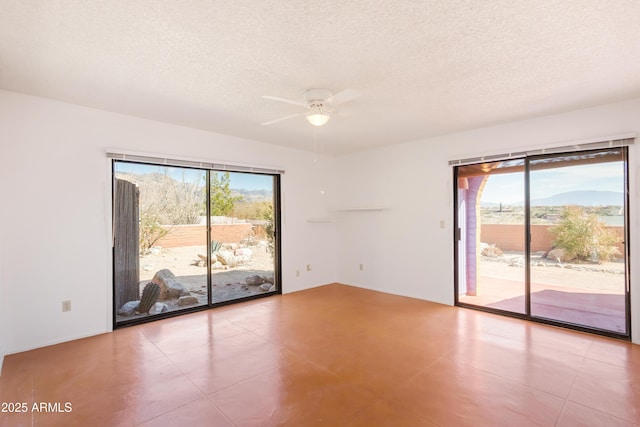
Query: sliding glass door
x=577, y=205
x=158, y=232
x=243, y=263
x=544, y=238
x=187, y=238
x=491, y=220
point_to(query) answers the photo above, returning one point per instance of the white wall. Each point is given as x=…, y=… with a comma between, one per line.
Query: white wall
x=55, y=215
x=55, y=207
x=4, y=305
x=403, y=249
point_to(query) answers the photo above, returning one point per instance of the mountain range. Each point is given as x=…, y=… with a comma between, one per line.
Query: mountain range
x=580, y=198
x=253, y=195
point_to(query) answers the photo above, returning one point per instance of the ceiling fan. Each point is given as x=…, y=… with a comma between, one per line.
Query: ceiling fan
x=318, y=102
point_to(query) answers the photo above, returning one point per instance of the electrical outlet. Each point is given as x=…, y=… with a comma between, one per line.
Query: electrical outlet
x=308, y=267
x=441, y=223
x=66, y=305
x=297, y=273
x=361, y=267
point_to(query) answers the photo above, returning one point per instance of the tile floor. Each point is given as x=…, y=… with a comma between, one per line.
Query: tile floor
x=335, y=356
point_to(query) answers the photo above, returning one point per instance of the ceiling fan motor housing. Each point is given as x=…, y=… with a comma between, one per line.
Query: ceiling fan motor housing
x=316, y=97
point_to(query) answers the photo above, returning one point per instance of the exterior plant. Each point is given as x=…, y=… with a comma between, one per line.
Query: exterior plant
x=584, y=237
x=215, y=246
x=222, y=198
x=267, y=214
x=150, y=232
x=492, y=251
x=150, y=295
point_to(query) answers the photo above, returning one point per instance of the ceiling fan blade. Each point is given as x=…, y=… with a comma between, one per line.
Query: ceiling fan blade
x=344, y=96
x=288, y=101
x=282, y=119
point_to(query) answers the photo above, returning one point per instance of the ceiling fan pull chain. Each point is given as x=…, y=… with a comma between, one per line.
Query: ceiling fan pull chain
x=315, y=145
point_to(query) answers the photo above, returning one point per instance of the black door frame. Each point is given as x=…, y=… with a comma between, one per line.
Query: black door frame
x=527, y=239
x=276, y=259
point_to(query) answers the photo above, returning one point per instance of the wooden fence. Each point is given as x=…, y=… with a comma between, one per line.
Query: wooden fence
x=126, y=249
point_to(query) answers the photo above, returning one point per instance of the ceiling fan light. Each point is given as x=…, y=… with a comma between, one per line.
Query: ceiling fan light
x=318, y=116
x=318, y=119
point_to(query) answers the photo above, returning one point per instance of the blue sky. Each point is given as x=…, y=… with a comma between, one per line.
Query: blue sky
x=246, y=181
x=509, y=188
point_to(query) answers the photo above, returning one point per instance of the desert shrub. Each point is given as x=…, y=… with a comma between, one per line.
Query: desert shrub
x=584, y=237
x=267, y=215
x=150, y=231
x=491, y=251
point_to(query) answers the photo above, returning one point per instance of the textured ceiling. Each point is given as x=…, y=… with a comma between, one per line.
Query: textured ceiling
x=424, y=68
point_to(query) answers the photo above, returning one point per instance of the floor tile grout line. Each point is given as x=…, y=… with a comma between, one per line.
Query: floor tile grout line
x=417, y=374
x=412, y=411
x=230, y=385
x=604, y=362
x=241, y=381
x=363, y=410
x=360, y=412
x=573, y=381
x=204, y=393
x=224, y=414
x=484, y=372
x=601, y=412
x=386, y=394
x=170, y=410
x=582, y=364
x=538, y=344
x=181, y=374
x=302, y=358
x=153, y=343
x=168, y=355
x=511, y=380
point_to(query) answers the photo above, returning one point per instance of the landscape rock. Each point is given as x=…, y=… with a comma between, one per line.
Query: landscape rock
x=269, y=279
x=187, y=300
x=272, y=288
x=226, y=258
x=516, y=262
x=230, y=259
x=129, y=308
x=243, y=252
x=266, y=286
x=170, y=288
x=159, y=308
x=201, y=261
x=255, y=280
x=557, y=254
x=242, y=259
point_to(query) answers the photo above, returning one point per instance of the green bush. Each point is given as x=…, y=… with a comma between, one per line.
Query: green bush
x=150, y=232
x=584, y=237
x=267, y=214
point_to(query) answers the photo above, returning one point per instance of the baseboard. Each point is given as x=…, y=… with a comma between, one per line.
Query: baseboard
x=56, y=342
